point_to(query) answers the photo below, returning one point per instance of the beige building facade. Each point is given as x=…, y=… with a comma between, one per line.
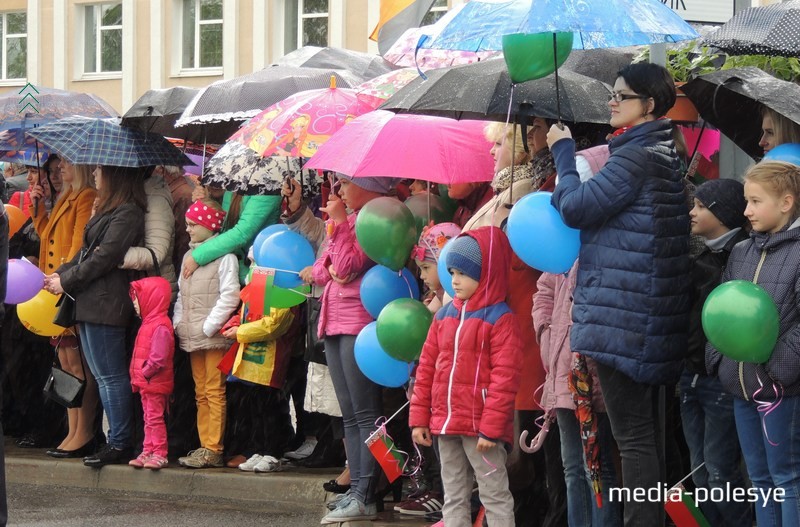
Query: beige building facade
x=118, y=49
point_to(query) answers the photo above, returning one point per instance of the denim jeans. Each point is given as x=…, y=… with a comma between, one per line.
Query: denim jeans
x=360, y=401
x=582, y=509
x=635, y=413
x=772, y=466
x=104, y=348
x=710, y=431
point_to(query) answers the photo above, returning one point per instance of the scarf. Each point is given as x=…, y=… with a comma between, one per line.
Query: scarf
x=502, y=180
x=543, y=166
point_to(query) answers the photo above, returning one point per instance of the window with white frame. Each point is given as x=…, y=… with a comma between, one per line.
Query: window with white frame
x=14, y=43
x=102, y=38
x=202, y=34
x=437, y=11
x=306, y=24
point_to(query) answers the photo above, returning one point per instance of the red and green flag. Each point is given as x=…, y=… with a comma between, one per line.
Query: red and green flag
x=682, y=509
x=391, y=460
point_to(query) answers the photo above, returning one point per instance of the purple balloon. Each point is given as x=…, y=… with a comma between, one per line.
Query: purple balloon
x=24, y=281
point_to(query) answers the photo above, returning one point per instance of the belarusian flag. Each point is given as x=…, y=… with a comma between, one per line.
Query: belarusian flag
x=682, y=509
x=387, y=455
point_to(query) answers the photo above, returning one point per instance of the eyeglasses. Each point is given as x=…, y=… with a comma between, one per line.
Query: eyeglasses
x=620, y=97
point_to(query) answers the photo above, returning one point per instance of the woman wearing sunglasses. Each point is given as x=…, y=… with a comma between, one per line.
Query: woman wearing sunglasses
x=631, y=302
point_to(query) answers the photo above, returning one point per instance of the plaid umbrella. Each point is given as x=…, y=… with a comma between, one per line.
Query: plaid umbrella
x=766, y=30
x=580, y=384
x=85, y=141
x=732, y=101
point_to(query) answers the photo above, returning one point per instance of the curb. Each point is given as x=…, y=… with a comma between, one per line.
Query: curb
x=290, y=488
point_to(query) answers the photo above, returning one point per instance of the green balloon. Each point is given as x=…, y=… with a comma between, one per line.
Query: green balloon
x=280, y=297
x=529, y=56
x=741, y=320
x=386, y=231
x=403, y=327
x=418, y=205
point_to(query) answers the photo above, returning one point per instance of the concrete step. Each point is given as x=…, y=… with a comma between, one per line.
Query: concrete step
x=294, y=486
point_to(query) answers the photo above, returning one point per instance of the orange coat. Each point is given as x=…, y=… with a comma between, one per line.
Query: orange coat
x=61, y=232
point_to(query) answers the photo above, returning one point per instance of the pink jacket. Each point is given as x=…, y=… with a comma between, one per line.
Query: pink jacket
x=552, y=319
x=151, y=363
x=342, y=312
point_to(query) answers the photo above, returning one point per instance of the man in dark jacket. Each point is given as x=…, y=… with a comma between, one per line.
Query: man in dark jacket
x=3, y=271
x=706, y=408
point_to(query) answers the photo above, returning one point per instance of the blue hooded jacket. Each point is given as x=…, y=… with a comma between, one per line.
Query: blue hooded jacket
x=632, y=301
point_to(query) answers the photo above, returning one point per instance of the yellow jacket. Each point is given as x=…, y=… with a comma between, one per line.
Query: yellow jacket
x=61, y=232
x=260, y=359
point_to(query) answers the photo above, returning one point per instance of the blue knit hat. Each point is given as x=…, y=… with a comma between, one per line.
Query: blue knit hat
x=465, y=256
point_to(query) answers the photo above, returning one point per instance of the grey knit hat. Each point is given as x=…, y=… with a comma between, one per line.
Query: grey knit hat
x=381, y=185
x=725, y=199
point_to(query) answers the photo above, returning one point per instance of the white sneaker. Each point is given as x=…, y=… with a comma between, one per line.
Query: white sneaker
x=304, y=451
x=251, y=463
x=267, y=464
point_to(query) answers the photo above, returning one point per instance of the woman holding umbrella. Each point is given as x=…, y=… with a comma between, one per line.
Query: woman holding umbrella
x=103, y=308
x=60, y=232
x=631, y=301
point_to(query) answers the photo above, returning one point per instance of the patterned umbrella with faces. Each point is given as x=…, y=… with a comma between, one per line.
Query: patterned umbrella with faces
x=580, y=384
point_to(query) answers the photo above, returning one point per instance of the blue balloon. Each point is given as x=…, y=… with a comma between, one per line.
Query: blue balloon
x=375, y=363
x=788, y=152
x=539, y=236
x=441, y=268
x=265, y=233
x=381, y=285
x=287, y=251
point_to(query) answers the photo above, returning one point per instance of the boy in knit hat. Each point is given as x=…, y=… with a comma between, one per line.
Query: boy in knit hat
x=706, y=408
x=206, y=300
x=468, y=378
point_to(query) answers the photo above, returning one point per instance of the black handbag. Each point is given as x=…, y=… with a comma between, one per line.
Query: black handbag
x=64, y=388
x=65, y=315
x=315, y=346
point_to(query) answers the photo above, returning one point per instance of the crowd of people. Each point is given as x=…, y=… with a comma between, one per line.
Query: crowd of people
x=157, y=266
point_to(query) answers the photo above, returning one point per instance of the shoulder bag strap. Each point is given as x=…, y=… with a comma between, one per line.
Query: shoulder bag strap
x=156, y=267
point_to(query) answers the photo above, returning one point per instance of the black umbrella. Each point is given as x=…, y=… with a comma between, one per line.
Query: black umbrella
x=366, y=66
x=768, y=30
x=483, y=90
x=732, y=100
x=601, y=63
x=157, y=110
x=218, y=110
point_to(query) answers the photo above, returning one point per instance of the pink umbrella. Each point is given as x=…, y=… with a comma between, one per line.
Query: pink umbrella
x=402, y=52
x=299, y=124
x=384, y=86
x=434, y=149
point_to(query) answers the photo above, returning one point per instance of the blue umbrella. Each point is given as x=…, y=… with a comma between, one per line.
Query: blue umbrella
x=47, y=105
x=481, y=25
x=16, y=147
x=86, y=141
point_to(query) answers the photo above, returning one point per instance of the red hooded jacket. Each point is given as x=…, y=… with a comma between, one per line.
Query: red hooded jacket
x=151, y=364
x=469, y=371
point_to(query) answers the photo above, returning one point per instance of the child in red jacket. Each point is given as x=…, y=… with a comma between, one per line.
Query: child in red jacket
x=468, y=377
x=151, y=366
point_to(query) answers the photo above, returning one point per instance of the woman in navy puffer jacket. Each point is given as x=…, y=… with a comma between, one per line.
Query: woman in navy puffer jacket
x=632, y=296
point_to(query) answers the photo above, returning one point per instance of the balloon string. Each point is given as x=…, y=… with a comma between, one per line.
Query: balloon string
x=765, y=407
x=408, y=284
x=491, y=465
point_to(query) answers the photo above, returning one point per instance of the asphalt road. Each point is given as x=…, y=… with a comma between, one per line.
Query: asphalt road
x=52, y=506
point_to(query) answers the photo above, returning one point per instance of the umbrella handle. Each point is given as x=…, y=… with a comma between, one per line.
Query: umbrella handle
x=537, y=441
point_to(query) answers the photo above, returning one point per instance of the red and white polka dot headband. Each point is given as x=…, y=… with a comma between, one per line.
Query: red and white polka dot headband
x=202, y=214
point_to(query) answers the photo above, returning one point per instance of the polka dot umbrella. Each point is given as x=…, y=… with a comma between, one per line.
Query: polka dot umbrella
x=768, y=30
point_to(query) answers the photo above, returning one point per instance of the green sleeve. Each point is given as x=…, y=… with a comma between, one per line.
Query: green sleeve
x=257, y=212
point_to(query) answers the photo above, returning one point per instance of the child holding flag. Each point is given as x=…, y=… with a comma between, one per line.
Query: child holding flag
x=468, y=378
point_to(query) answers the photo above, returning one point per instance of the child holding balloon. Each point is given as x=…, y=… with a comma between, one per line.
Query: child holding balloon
x=766, y=389
x=468, y=377
x=206, y=300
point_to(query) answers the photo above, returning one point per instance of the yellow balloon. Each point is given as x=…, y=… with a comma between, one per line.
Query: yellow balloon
x=37, y=314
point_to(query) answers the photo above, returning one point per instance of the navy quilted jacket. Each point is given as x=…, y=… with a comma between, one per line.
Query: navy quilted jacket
x=780, y=276
x=632, y=296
